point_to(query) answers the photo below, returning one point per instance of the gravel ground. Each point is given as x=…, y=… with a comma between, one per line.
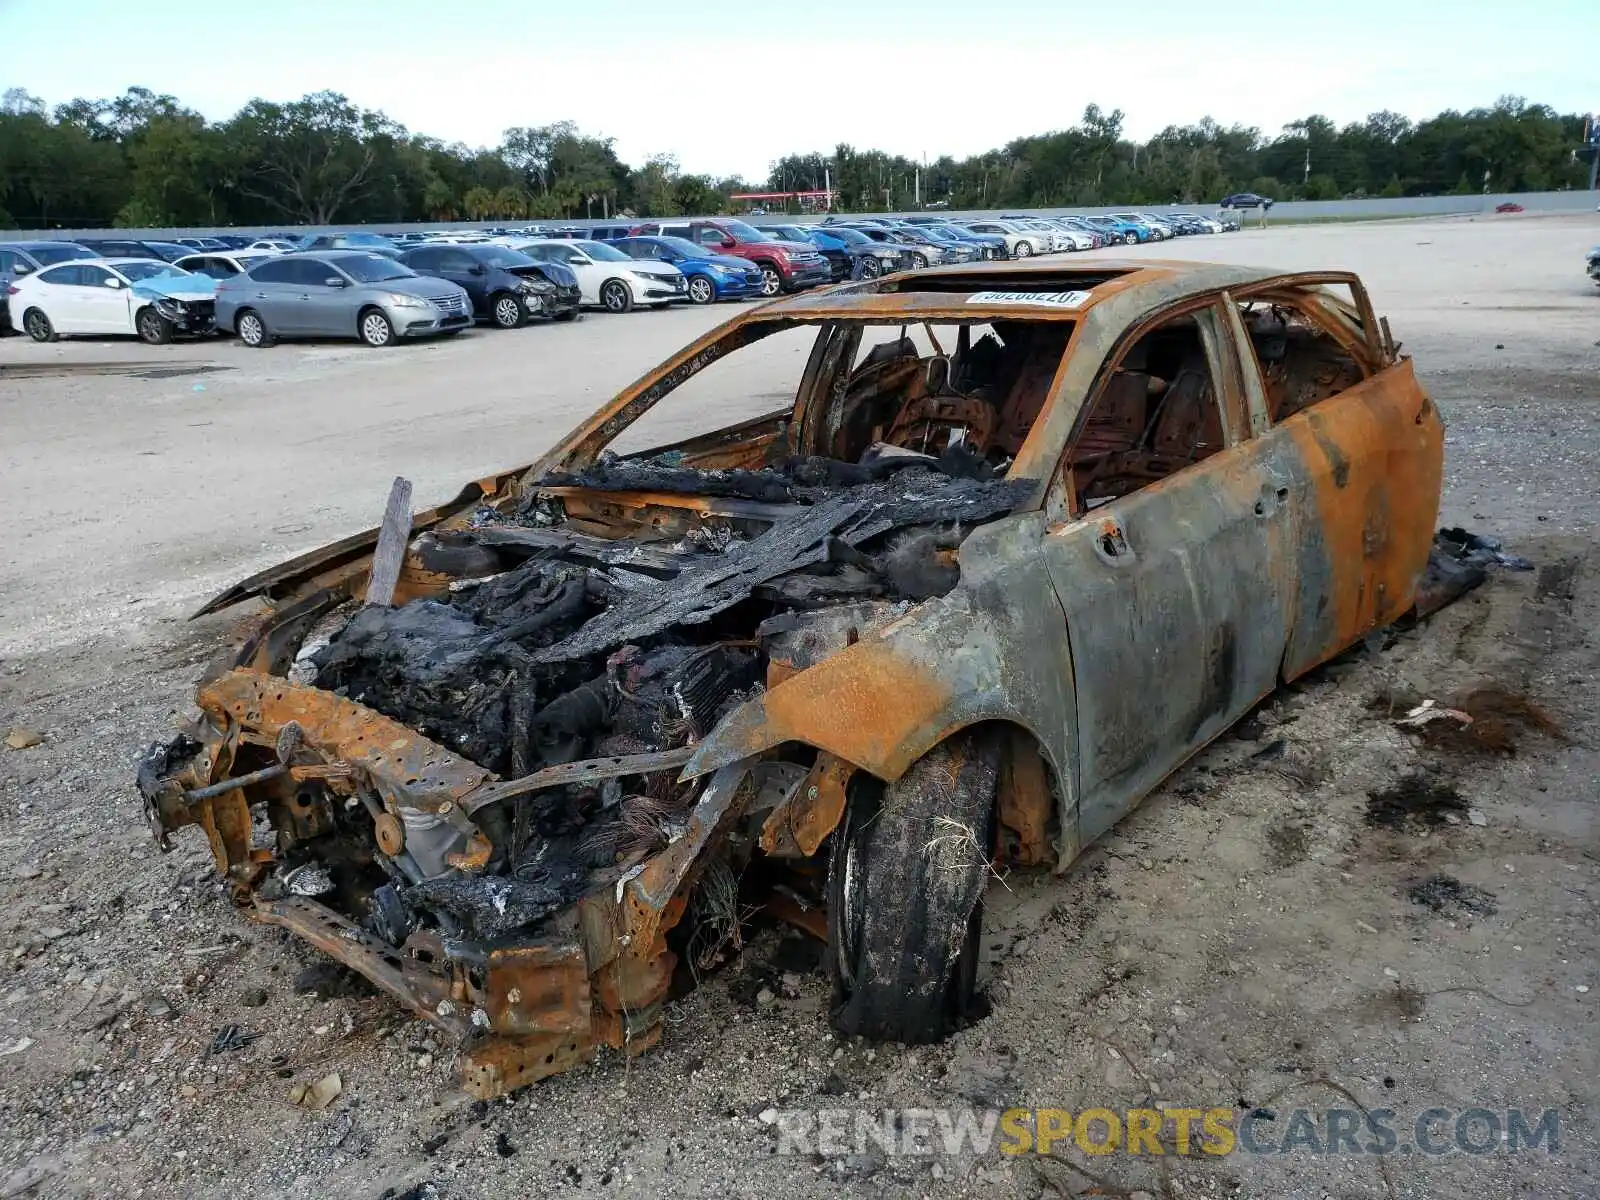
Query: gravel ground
x=1259, y=935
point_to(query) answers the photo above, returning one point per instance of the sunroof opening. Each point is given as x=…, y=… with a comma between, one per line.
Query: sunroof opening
x=986, y=281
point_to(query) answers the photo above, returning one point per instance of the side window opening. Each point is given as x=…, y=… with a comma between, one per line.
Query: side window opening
x=1300, y=362
x=1157, y=412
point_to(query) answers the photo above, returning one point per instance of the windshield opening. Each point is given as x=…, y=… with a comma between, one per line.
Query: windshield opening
x=847, y=390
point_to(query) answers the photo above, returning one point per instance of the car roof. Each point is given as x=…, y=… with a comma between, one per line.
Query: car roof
x=41, y=245
x=990, y=291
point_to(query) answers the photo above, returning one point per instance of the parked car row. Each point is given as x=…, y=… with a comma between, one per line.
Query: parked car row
x=366, y=285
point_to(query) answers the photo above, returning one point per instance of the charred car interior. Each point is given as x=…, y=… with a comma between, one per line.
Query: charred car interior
x=1017, y=542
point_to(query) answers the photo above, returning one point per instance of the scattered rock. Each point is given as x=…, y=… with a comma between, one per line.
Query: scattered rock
x=1365, y=928
x=317, y=1096
x=253, y=997
x=765, y=997
x=16, y=1047
x=158, y=1007
x=768, y=1116
x=1475, y=816
x=23, y=739
x=188, y=1091
x=28, y=1176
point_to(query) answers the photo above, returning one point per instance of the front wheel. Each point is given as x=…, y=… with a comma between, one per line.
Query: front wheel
x=871, y=267
x=771, y=281
x=918, y=261
x=252, y=330
x=506, y=310
x=616, y=296
x=701, y=290
x=1024, y=249
x=905, y=892
x=375, y=329
x=1130, y=239
x=154, y=329
x=38, y=326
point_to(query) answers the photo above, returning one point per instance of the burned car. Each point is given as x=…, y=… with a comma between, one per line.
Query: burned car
x=1014, y=543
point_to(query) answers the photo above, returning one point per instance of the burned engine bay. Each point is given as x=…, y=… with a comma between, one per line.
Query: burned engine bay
x=473, y=797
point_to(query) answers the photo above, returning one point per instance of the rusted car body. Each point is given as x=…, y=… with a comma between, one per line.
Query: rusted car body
x=1055, y=534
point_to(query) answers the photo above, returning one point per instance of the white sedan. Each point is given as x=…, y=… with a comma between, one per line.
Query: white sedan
x=223, y=264
x=277, y=245
x=144, y=297
x=608, y=278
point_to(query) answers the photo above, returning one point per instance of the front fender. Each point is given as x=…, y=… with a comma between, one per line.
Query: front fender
x=994, y=649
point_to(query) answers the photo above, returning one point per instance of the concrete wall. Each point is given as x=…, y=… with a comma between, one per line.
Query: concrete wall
x=1289, y=210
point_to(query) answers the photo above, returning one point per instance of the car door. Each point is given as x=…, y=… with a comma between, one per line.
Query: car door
x=457, y=266
x=1170, y=561
x=590, y=273
x=326, y=308
x=1361, y=442
x=99, y=302
x=274, y=292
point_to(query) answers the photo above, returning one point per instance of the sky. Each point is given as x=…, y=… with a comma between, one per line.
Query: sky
x=727, y=87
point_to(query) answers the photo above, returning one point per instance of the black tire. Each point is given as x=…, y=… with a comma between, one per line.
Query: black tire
x=905, y=895
x=252, y=330
x=506, y=311
x=1024, y=250
x=154, y=329
x=38, y=326
x=1130, y=238
x=918, y=261
x=616, y=296
x=701, y=290
x=375, y=329
x=871, y=267
x=771, y=280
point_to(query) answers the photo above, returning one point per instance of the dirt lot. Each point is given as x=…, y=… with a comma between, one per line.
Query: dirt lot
x=1262, y=934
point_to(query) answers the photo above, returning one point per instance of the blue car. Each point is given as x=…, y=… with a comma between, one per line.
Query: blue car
x=709, y=276
x=1119, y=230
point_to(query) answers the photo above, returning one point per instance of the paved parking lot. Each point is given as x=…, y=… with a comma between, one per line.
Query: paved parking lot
x=1236, y=938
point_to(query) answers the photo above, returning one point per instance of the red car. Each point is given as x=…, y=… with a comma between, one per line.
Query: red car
x=785, y=266
x=1508, y=206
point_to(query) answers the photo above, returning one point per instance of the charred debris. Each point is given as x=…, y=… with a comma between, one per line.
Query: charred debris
x=559, y=641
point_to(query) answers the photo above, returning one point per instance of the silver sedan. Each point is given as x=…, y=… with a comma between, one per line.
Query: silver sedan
x=342, y=294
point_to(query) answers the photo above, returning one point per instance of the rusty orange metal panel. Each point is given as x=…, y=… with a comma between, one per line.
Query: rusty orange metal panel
x=405, y=761
x=500, y=1065
x=1374, y=459
x=837, y=705
x=538, y=989
x=1026, y=803
x=797, y=828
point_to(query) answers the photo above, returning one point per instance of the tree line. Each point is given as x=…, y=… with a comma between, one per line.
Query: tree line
x=144, y=160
